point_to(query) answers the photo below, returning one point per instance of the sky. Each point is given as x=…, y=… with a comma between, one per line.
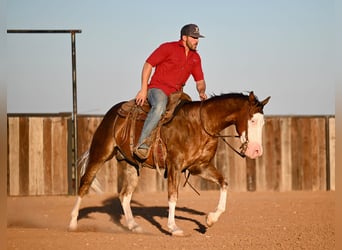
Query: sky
x=285, y=49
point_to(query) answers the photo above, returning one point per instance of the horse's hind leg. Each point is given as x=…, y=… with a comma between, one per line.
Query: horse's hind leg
x=129, y=185
x=85, y=184
x=101, y=150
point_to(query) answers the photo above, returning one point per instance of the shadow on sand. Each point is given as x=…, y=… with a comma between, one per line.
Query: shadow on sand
x=112, y=207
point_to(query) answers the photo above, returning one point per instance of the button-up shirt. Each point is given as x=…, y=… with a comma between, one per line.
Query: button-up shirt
x=173, y=67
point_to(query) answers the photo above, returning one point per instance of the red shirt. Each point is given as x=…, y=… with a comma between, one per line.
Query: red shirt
x=173, y=68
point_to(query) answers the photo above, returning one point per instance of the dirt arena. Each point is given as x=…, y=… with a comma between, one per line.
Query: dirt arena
x=267, y=220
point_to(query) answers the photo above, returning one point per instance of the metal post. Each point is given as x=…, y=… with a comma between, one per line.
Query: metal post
x=74, y=110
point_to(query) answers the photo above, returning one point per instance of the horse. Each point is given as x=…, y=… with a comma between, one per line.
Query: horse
x=190, y=141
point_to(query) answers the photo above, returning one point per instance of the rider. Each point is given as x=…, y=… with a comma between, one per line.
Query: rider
x=174, y=62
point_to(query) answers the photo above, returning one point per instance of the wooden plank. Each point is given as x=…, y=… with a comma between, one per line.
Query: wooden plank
x=269, y=154
x=321, y=175
x=315, y=139
x=332, y=141
x=47, y=155
x=240, y=165
x=59, y=155
x=260, y=180
x=277, y=160
x=286, y=163
x=307, y=148
x=273, y=163
x=36, y=178
x=319, y=139
x=251, y=174
x=296, y=154
x=24, y=156
x=13, y=156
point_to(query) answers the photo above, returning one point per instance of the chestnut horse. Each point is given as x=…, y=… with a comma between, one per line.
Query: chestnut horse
x=190, y=141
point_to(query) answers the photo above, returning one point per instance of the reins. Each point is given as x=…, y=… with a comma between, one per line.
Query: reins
x=222, y=137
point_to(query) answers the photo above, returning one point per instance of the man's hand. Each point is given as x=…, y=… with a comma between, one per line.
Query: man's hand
x=141, y=97
x=203, y=96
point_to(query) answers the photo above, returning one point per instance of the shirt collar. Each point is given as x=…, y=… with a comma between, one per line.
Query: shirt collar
x=180, y=43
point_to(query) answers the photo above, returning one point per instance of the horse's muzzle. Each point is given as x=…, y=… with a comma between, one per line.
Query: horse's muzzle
x=252, y=150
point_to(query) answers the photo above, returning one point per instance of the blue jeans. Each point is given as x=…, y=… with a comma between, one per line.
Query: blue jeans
x=158, y=101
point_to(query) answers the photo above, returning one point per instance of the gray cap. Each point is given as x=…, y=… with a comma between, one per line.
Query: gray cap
x=191, y=30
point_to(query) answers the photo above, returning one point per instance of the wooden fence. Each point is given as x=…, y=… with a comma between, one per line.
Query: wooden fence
x=299, y=154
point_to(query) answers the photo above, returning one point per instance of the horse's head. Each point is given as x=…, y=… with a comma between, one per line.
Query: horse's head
x=250, y=127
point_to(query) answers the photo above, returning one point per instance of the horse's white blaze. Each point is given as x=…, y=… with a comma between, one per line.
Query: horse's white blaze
x=255, y=126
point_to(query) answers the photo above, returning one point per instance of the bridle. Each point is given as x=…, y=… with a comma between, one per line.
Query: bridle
x=243, y=146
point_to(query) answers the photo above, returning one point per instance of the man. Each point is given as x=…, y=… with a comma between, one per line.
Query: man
x=174, y=62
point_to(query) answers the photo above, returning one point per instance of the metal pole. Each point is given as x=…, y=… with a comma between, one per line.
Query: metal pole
x=74, y=110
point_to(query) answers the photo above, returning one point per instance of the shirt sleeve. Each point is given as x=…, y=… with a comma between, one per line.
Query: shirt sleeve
x=197, y=71
x=158, y=55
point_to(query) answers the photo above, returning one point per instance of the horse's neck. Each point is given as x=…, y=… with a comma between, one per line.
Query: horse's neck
x=216, y=116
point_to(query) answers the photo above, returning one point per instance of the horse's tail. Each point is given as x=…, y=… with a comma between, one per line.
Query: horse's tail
x=83, y=164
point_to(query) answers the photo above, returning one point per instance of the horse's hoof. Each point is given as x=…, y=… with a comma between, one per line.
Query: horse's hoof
x=178, y=233
x=175, y=231
x=210, y=221
x=72, y=227
x=137, y=229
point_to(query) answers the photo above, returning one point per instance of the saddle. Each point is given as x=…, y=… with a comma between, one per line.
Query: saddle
x=134, y=117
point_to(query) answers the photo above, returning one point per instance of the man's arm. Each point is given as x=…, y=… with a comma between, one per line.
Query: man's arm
x=201, y=86
x=145, y=76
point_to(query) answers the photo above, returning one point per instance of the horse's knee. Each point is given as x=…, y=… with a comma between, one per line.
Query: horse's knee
x=224, y=185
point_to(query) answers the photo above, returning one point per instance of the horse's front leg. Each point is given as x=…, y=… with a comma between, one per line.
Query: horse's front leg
x=173, y=184
x=210, y=173
x=221, y=207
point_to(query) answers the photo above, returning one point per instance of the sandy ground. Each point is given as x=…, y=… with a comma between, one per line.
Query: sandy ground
x=267, y=220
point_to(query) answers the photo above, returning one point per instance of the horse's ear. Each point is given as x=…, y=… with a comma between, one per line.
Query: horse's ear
x=251, y=97
x=264, y=102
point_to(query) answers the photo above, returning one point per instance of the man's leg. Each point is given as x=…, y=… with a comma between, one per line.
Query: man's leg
x=158, y=101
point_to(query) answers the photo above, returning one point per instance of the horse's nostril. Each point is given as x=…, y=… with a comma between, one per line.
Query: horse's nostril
x=258, y=151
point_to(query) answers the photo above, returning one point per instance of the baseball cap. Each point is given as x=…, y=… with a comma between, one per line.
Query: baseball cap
x=191, y=30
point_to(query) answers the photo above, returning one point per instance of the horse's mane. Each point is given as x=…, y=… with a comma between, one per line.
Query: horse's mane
x=228, y=95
